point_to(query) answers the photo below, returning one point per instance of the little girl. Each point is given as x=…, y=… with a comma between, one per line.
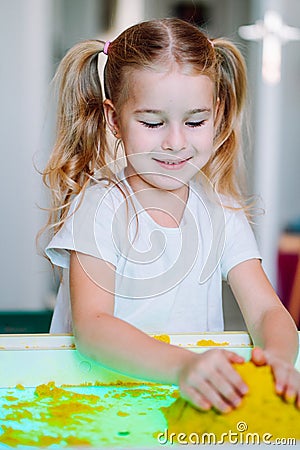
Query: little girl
x=145, y=230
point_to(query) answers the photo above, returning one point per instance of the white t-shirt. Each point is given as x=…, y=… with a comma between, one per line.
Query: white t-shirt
x=168, y=280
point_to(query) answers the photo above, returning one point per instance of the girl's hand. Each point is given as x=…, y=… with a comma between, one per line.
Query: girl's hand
x=287, y=378
x=209, y=380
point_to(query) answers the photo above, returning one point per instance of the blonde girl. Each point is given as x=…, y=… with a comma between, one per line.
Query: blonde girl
x=145, y=237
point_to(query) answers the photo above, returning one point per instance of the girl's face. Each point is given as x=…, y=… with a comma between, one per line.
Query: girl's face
x=167, y=128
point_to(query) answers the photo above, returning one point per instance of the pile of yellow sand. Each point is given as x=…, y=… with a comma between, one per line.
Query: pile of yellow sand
x=262, y=417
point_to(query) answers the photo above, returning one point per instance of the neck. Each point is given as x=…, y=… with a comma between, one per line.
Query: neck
x=165, y=207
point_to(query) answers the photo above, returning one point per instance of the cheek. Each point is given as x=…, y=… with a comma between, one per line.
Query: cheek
x=205, y=143
x=139, y=164
x=205, y=149
x=209, y=138
x=135, y=141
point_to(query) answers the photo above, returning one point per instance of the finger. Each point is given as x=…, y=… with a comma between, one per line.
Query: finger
x=228, y=391
x=281, y=379
x=234, y=357
x=287, y=382
x=258, y=356
x=213, y=396
x=298, y=400
x=288, y=391
x=290, y=396
x=228, y=372
x=234, y=378
x=291, y=392
x=197, y=399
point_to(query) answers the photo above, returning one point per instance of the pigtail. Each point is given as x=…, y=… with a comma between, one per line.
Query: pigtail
x=224, y=169
x=81, y=141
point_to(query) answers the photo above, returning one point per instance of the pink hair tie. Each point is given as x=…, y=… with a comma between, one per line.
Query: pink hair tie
x=105, y=48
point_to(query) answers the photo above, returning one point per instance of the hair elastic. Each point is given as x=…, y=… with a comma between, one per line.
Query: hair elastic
x=105, y=48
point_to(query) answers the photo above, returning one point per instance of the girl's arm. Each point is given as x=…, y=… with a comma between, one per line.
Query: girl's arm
x=205, y=380
x=269, y=324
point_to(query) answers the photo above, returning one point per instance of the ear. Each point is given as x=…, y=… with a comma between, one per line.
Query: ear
x=111, y=117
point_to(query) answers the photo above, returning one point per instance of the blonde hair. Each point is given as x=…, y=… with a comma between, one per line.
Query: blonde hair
x=81, y=146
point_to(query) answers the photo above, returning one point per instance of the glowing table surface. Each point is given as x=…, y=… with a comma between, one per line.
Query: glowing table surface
x=96, y=407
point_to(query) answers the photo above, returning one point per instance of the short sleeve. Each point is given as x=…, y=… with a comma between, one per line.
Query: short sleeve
x=88, y=229
x=240, y=243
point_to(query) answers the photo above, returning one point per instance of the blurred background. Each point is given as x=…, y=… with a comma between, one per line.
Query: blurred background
x=35, y=35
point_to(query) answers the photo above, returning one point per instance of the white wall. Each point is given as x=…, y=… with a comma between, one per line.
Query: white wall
x=34, y=36
x=276, y=117
x=25, y=59
x=289, y=194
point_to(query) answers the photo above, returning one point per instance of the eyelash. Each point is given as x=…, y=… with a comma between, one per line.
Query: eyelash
x=196, y=124
x=151, y=125
x=157, y=125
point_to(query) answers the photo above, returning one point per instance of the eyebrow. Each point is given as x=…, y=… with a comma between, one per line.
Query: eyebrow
x=158, y=111
x=148, y=111
x=199, y=110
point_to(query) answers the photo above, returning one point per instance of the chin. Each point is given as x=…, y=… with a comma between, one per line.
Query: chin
x=167, y=182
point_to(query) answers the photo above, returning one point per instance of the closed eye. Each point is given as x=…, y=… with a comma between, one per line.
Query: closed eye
x=151, y=124
x=196, y=124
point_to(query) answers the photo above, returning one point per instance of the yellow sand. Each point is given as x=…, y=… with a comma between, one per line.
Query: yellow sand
x=210, y=343
x=56, y=416
x=202, y=343
x=163, y=338
x=262, y=412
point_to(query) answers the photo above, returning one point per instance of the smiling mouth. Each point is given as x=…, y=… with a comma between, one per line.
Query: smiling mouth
x=172, y=164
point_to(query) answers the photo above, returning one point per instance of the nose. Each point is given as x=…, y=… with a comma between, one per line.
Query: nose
x=174, y=138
